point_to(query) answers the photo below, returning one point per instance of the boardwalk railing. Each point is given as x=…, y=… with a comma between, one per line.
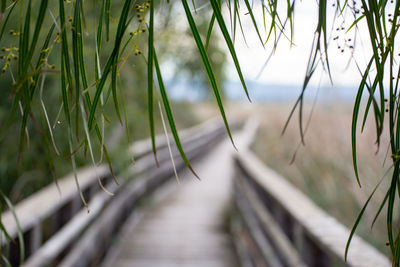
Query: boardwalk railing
x=57, y=229
x=276, y=226
x=279, y=226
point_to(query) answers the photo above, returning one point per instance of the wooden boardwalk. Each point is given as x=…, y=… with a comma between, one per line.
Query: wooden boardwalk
x=186, y=227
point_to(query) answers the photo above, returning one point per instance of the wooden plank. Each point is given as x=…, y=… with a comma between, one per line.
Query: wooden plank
x=32, y=210
x=106, y=224
x=35, y=208
x=254, y=208
x=186, y=228
x=47, y=202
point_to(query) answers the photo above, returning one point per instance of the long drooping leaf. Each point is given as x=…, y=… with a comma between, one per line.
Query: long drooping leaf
x=75, y=54
x=253, y=19
x=238, y=19
x=99, y=35
x=69, y=130
x=107, y=18
x=390, y=209
x=64, y=44
x=38, y=27
x=23, y=51
x=111, y=60
x=24, y=42
x=379, y=62
x=224, y=30
x=381, y=206
x=358, y=219
x=209, y=31
x=207, y=65
x=168, y=143
x=114, y=89
x=19, y=229
x=169, y=114
x=3, y=230
x=3, y=27
x=356, y=110
x=150, y=60
x=311, y=66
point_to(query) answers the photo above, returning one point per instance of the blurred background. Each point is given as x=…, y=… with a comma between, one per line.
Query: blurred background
x=322, y=168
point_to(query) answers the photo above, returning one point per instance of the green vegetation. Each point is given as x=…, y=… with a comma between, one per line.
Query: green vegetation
x=65, y=62
x=38, y=154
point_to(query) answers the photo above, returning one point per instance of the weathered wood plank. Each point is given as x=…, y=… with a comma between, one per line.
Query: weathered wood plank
x=101, y=232
x=35, y=208
x=187, y=227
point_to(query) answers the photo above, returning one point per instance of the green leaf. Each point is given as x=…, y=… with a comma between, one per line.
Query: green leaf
x=209, y=31
x=253, y=20
x=358, y=219
x=355, y=22
x=390, y=208
x=68, y=123
x=113, y=58
x=380, y=209
x=170, y=116
x=150, y=60
x=356, y=110
x=38, y=27
x=224, y=30
x=107, y=18
x=75, y=54
x=207, y=65
x=19, y=229
x=7, y=18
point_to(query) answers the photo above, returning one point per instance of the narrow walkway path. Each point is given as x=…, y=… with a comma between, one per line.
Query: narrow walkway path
x=187, y=227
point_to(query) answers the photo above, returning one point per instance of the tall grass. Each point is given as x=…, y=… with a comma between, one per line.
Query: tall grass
x=89, y=80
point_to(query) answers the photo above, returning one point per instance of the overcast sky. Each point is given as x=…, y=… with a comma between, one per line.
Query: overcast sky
x=288, y=64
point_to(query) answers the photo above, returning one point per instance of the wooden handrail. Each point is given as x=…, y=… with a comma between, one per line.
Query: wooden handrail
x=50, y=222
x=298, y=231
